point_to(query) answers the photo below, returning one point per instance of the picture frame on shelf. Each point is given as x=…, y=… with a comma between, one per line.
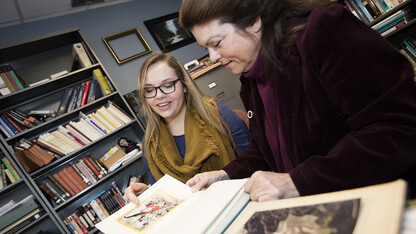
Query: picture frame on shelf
x=117, y=42
x=167, y=33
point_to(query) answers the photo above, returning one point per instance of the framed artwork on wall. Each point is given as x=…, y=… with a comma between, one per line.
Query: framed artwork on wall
x=127, y=45
x=167, y=33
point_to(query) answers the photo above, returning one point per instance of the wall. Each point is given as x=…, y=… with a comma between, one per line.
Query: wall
x=97, y=23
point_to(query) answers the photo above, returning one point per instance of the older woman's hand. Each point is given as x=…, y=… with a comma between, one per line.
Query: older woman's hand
x=265, y=186
x=134, y=190
x=204, y=180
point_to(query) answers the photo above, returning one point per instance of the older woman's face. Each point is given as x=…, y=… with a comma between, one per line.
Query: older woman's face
x=235, y=49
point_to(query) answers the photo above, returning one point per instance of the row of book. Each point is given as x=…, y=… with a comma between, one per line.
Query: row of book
x=71, y=180
x=96, y=209
x=8, y=174
x=393, y=22
x=408, y=49
x=14, y=121
x=10, y=82
x=17, y=215
x=368, y=10
x=88, y=91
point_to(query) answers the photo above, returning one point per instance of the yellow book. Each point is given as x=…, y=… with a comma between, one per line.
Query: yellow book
x=106, y=117
x=63, y=138
x=7, y=81
x=98, y=75
x=112, y=114
x=9, y=175
x=10, y=167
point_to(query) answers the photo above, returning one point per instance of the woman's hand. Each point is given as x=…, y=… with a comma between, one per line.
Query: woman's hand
x=265, y=186
x=204, y=180
x=134, y=190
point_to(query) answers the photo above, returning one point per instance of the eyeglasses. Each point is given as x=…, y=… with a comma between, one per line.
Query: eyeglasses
x=166, y=88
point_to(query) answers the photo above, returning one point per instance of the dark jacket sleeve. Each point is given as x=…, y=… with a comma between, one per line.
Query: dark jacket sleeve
x=371, y=85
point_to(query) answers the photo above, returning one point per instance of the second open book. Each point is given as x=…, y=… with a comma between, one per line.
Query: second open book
x=169, y=206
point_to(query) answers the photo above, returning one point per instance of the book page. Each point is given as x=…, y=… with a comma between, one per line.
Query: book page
x=157, y=209
x=379, y=211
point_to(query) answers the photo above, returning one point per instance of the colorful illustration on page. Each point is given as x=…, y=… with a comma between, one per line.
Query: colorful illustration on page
x=149, y=212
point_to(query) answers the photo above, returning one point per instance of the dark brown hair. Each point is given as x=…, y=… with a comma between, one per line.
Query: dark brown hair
x=243, y=13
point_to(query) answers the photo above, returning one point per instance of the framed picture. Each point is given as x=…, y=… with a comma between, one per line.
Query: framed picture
x=127, y=45
x=167, y=33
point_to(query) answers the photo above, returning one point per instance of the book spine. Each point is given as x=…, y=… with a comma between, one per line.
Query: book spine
x=78, y=180
x=59, y=185
x=68, y=181
x=92, y=93
x=50, y=194
x=98, y=75
x=55, y=151
x=6, y=126
x=13, y=172
x=15, y=77
x=98, y=210
x=85, y=218
x=72, y=178
x=91, y=213
x=31, y=122
x=12, y=125
x=79, y=98
x=3, y=175
x=6, y=75
x=84, y=178
x=85, y=93
x=92, y=168
x=58, y=188
x=97, y=164
x=118, y=198
x=79, y=51
x=63, y=104
x=86, y=171
x=80, y=223
x=73, y=102
x=64, y=184
x=74, y=224
x=51, y=188
x=9, y=175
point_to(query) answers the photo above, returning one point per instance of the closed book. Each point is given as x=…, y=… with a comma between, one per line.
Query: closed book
x=93, y=168
x=9, y=175
x=54, y=186
x=18, y=212
x=24, y=221
x=86, y=171
x=115, y=116
x=7, y=81
x=84, y=178
x=29, y=153
x=27, y=164
x=79, y=52
x=392, y=29
x=103, y=121
x=97, y=164
x=98, y=75
x=6, y=133
x=108, y=118
x=19, y=82
x=3, y=175
x=391, y=18
x=79, y=98
x=91, y=213
x=50, y=194
x=7, y=75
x=25, y=120
x=9, y=166
x=88, y=130
x=59, y=185
x=85, y=93
x=42, y=154
x=94, y=91
x=12, y=124
x=119, y=113
x=68, y=181
x=71, y=173
x=4, y=89
x=80, y=224
x=392, y=24
x=6, y=126
x=74, y=225
x=360, y=9
x=102, y=206
x=65, y=131
x=73, y=102
x=53, y=150
x=71, y=142
x=64, y=184
x=95, y=124
x=51, y=140
x=63, y=104
x=74, y=132
x=118, y=198
x=84, y=219
x=98, y=210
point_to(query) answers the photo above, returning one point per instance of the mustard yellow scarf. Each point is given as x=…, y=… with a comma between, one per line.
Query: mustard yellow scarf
x=206, y=150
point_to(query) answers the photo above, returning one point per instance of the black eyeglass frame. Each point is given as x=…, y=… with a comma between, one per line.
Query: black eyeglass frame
x=161, y=90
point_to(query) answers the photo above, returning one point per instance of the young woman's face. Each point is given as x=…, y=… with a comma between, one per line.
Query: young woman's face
x=235, y=49
x=168, y=106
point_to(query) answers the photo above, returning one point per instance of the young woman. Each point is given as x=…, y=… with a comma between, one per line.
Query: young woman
x=187, y=132
x=332, y=105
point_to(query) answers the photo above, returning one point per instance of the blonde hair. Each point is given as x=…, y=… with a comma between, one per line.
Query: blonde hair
x=193, y=98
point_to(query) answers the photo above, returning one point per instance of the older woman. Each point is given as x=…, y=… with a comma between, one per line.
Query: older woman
x=332, y=105
x=187, y=132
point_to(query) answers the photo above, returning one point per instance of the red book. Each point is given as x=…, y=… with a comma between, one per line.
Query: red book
x=85, y=93
x=78, y=177
x=78, y=221
x=76, y=138
x=92, y=167
x=64, y=184
x=73, y=178
x=68, y=180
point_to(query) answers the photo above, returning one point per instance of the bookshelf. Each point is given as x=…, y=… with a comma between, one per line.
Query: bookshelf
x=35, y=59
x=401, y=33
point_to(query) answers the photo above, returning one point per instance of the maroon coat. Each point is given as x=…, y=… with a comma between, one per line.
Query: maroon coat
x=347, y=102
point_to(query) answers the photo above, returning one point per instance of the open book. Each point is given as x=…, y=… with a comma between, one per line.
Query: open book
x=170, y=207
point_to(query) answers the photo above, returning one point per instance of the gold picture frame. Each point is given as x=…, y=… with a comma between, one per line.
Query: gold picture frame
x=120, y=43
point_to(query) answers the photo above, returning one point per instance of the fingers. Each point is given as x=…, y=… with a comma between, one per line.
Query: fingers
x=134, y=190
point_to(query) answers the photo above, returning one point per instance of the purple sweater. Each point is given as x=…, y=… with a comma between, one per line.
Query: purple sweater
x=347, y=106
